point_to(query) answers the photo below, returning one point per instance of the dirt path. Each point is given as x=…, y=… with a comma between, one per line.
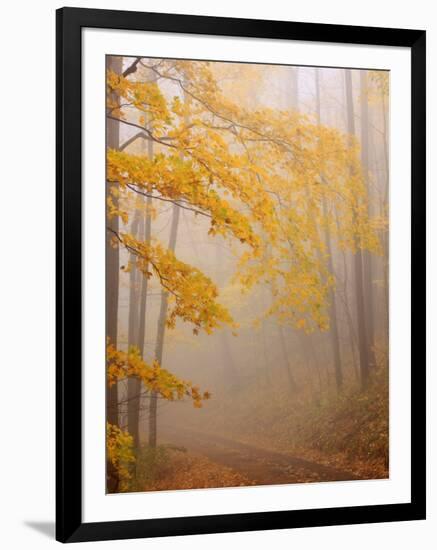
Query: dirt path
x=261, y=466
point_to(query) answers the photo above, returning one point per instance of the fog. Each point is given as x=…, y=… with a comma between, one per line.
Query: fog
x=268, y=379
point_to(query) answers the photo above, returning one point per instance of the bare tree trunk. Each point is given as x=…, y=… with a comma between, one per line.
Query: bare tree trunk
x=353, y=344
x=224, y=348
x=286, y=361
x=228, y=358
x=333, y=314
x=294, y=88
x=153, y=406
x=144, y=283
x=385, y=204
x=112, y=278
x=133, y=383
x=112, y=257
x=358, y=258
x=137, y=315
x=335, y=338
x=367, y=258
x=147, y=223
x=310, y=359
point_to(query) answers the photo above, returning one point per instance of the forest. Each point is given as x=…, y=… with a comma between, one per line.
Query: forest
x=247, y=274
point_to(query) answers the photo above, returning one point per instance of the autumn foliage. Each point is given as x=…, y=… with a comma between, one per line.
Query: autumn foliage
x=270, y=182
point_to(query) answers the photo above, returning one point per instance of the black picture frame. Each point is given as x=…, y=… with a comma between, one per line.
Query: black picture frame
x=69, y=525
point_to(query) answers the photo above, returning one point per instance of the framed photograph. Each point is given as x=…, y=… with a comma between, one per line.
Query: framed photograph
x=240, y=274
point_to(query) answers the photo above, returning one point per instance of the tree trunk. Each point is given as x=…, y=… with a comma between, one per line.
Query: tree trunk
x=286, y=362
x=133, y=383
x=385, y=204
x=293, y=103
x=294, y=88
x=112, y=279
x=137, y=317
x=224, y=347
x=112, y=258
x=358, y=258
x=147, y=223
x=347, y=310
x=335, y=338
x=144, y=283
x=367, y=258
x=153, y=407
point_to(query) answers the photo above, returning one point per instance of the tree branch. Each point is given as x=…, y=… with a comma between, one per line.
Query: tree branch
x=162, y=141
x=133, y=188
x=132, y=68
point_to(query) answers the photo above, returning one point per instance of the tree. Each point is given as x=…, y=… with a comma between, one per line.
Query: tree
x=378, y=86
x=112, y=252
x=141, y=226
x=367, y=257
x=358, y=257
x=335, y=339
x=133, y=384
x=253, y=175
x=112, y=277
x=161, y=330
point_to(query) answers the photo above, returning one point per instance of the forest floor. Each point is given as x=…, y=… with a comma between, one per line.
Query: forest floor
x=346, y=432
x=343, y=438
x=251, y=465
x=189, y=470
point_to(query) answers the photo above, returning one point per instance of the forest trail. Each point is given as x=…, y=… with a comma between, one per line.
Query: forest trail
x=261, y=466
